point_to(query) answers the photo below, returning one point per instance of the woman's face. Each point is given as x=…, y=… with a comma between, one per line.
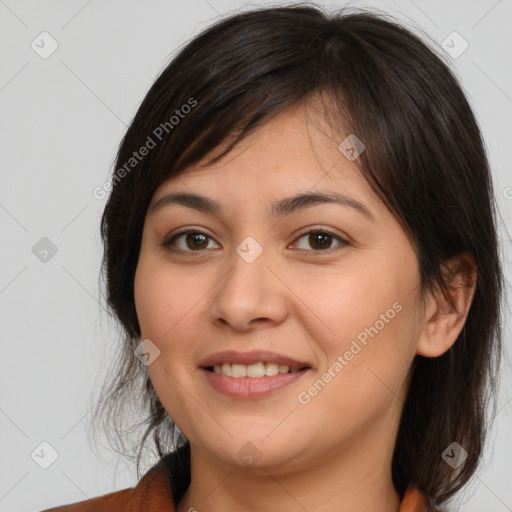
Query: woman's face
x=329, y=286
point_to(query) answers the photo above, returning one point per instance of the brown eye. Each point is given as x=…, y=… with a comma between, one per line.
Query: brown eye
x=320, y=240
x=195, y=241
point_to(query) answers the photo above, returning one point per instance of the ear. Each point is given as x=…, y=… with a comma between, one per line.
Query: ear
x=445, y=316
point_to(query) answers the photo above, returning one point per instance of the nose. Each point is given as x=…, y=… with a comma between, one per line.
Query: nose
x=250, y=295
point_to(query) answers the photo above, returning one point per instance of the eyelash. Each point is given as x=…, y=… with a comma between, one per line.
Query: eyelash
x=168, y=242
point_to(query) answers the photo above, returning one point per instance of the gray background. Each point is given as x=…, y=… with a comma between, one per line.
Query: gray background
x=62, y=118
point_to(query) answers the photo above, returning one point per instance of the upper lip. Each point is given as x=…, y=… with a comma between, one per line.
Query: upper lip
x=252, y=357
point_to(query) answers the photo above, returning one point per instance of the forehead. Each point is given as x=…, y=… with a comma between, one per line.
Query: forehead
x=296, y=150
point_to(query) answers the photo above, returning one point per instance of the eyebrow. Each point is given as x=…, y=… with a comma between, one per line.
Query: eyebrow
x=279, y=208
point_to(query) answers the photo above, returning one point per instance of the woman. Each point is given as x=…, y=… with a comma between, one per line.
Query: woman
x=300, y=246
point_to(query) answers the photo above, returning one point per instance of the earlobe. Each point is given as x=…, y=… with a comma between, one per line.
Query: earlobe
x=445, y=315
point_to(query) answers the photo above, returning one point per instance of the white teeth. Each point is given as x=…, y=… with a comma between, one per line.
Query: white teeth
x=252, y=370
x=271, y=369
x=256, y=370
x=238, y=370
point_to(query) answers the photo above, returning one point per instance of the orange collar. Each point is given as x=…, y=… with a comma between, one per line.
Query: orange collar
x=413, y=501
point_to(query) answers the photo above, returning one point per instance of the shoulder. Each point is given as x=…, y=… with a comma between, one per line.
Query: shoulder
x=414, y=501
x=153, y=492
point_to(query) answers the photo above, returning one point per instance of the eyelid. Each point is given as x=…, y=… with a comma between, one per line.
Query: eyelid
x=167, y=243
x=184, y=231
x=326, y=230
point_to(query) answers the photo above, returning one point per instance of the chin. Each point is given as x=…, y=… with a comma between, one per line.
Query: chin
x=258, y=453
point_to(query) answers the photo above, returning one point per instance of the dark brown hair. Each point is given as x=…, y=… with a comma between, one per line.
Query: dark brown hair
x=424, y=157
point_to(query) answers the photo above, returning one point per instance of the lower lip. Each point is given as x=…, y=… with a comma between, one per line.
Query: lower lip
x=250, y=387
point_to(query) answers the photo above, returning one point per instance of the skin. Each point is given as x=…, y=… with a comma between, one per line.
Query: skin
x=301, y=299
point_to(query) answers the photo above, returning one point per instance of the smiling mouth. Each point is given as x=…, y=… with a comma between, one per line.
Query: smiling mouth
x=256, y=370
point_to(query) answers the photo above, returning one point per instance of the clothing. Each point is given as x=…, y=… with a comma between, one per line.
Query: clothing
x=153, y=493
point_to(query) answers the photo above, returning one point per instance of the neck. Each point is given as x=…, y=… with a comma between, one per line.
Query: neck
x=352, y=480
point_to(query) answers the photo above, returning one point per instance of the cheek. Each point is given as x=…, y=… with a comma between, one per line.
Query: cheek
x=165, y=306
x=364, y=380
x=162, y=299
x=168, y=305
x=370, y=326
x=363, y=303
